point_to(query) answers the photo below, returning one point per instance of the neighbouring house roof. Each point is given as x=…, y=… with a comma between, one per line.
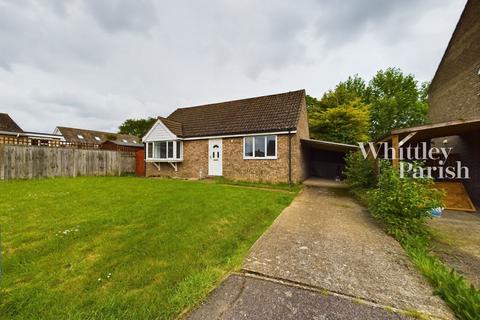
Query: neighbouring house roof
x=125, y=144
x=8, y=125
x=465, y=31
x=436, y=130
x=277, y=112
x=93, y=136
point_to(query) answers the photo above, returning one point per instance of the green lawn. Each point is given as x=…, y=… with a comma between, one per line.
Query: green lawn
x=130, y=248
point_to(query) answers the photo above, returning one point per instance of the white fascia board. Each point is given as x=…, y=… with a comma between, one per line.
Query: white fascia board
x=159, y=123
x=240, y=135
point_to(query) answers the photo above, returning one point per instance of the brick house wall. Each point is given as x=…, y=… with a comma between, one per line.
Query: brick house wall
x=454, y=93
x=455, y=90
x=195, y=163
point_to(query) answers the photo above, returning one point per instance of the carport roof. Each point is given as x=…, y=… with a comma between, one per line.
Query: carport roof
x=436, y=130
x=329, y=145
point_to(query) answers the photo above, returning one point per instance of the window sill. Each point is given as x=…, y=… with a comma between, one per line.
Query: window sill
x=163, y=160
x=258, y=158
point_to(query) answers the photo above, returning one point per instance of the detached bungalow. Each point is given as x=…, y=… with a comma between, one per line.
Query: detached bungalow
x=255, y=139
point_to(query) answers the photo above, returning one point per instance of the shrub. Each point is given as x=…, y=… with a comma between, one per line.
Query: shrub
x=403, y=203
x=359, y=171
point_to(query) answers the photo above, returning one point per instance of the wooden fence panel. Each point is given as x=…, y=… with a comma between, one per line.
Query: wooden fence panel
x=29, y=162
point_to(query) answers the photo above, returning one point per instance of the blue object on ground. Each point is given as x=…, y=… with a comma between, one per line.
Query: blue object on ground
x=436, y=212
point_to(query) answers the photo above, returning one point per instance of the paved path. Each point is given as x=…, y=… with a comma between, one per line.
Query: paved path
x=324, y=241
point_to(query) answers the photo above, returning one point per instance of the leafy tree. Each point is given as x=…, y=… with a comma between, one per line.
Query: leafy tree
x=136, y=127
x=348, y=123
x=397, y=101
x=312, y=103
x=345, y=92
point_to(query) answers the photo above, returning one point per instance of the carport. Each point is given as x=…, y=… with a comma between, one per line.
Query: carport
x=462, y=137
x=325, y=159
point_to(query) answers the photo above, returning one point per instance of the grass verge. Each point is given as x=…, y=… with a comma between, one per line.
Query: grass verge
x=261, y=185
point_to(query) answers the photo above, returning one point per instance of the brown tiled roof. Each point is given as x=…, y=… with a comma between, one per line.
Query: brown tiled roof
x=174, y=126
x=7, y=124
x=277, y=112
x=71, y=135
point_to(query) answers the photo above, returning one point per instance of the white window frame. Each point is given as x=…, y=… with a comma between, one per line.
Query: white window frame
x=173, y=158
x=245, y=157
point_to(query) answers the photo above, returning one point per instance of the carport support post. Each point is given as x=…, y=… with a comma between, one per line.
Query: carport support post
x=395, y=151
x=374, y=162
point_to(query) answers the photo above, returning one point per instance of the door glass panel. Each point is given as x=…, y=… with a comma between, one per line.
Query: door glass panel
x=260, y=146
x=216, y=153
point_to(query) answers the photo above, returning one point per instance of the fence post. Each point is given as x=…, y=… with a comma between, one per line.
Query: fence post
x=74, y=163
x=2, y=162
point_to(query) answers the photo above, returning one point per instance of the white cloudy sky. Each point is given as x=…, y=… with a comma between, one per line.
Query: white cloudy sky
x=94, y=63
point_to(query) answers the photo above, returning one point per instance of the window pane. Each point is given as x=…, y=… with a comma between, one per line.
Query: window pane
x=150, y=150
x=163, y=149
x=170, y=149
x=271, y=141
x=178, y=150
x=156, y=150
x=248, y=147
x=260, y=146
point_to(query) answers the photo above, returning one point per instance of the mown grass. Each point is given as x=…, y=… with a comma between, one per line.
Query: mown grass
x=129, y=248
x=261, y=185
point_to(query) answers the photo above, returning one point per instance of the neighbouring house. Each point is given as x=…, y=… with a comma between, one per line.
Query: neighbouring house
x=11, y=133
x=120, y=145
x=255, y=139
x=79, y=137
x=454, y=98
x=455, y=95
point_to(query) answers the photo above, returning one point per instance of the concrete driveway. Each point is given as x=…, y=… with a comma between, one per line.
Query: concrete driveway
x=324, y=243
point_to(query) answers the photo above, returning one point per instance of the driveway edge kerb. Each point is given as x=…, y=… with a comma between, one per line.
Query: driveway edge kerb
x=323, y=291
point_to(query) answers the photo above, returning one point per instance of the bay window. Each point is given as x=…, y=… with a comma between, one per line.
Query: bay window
x=260, y=147
x=164, y=150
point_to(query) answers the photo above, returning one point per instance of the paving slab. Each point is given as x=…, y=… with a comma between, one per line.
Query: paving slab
x=243, y=297
x=325, y=239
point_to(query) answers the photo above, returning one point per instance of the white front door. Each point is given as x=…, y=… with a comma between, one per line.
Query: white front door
x=215, y=157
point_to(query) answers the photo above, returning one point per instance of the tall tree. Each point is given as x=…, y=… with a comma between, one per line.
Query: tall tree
x=346, y=123
x=312, y=103
x=136, y=127
x=397, y=101
x=344, y=92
